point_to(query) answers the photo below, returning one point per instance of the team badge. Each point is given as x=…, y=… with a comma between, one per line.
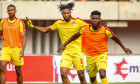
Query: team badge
x=73, y=23
x=88, y=71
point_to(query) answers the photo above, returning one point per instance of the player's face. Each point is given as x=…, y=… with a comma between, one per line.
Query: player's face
x=66, y=13
x=11, y=11
x=95, y=20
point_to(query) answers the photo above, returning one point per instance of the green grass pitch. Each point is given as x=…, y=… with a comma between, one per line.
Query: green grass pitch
x=72, y=83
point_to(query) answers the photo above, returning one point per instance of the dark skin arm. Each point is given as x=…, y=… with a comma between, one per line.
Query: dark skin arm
x=41, y=29
x=23, y=44
x=73, y=37
x=118, y=41
x=1, y=37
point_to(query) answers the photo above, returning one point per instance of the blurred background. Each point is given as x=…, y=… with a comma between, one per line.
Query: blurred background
x=121, y=16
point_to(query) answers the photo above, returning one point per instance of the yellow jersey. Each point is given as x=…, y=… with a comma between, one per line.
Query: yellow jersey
x=66, y=30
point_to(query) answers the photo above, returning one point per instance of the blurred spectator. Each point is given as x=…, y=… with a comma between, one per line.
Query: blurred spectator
x=133, y=0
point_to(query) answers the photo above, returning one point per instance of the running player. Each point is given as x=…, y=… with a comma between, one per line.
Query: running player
x=72, y=54
x=94, y=45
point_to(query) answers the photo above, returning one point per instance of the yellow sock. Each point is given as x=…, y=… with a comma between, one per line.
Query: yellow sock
x=104, y=81
x=95, y=82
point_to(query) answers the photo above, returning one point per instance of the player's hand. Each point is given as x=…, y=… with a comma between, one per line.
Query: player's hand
x=127, y=51
x=61, y=48
x=29, y=22
x=2, y=38
x=21, y=54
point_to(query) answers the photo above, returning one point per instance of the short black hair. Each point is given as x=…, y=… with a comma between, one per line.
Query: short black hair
x=66, y=6
x=96, y=13
x=11, y=5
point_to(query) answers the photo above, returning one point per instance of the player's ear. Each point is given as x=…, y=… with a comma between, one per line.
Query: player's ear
x=100, y=20
x=90, y=16
x=70, y=11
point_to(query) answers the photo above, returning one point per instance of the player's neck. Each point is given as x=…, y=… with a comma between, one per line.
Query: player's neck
x=95, y=27
x=68, y=20
x=12, y=18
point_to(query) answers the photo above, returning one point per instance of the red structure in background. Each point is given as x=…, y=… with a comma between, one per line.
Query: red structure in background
x=35, y=69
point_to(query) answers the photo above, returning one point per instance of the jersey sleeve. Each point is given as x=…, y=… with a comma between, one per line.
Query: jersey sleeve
x=54, y=26
x=108, y=33
x=1, y=24
x=22, y=26
x=82, y=29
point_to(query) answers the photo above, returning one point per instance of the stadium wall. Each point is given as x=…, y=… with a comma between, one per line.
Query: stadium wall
x=49, y=10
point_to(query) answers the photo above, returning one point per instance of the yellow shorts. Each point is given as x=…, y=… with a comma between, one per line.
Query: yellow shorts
x=95, y=63
x=9, y=53
x=77, y=59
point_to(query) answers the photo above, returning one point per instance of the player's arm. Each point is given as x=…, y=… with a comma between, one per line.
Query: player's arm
x=0, y=34
x=41, y=29
x=118, y=41
x=1, y=30
x=73, y=37
x=23, y=37
x=23, y=43
x=1, y=37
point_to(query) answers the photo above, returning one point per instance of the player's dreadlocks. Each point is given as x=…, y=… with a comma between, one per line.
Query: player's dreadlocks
x=96, y=13
x=65, y=6
x=11, y=5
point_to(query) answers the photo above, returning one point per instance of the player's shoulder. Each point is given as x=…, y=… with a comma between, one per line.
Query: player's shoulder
x=21, y=21
x=2, y=20
x=76, y=18
x=59, y=21
x=85, y=26
x=79, y=20
x=107, y=29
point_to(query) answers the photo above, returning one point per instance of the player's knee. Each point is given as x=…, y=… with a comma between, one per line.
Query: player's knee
x=102, y=73
x=81, y=77
x=18, y=72
x=92, y=79
x=63, y=74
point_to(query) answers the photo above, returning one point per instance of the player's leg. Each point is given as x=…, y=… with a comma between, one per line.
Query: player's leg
x=0, y=79
x=93, y=80
x=4, y=60
x=92, y=69
x=101, y=66
x=79, y=65
x=18, y=62
x=81, y=76
x=64, y=75
x=3, y=65
x=103, y=78
x=19, y=74
x=66, y=63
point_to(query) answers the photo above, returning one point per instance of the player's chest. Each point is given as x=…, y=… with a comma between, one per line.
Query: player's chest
x=68, y=26
x=11, y=27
